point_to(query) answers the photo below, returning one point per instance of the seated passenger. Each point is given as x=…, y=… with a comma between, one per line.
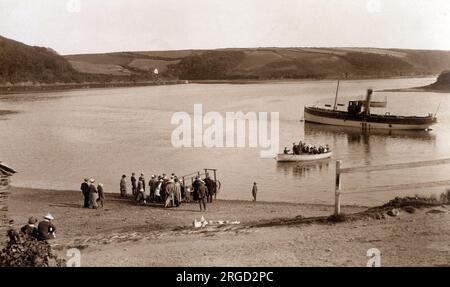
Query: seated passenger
x=286, y=150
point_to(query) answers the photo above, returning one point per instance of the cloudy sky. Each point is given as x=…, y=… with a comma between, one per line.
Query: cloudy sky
x=89, y=26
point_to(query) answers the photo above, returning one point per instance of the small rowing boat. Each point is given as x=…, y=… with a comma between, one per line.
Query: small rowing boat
x=285, y=157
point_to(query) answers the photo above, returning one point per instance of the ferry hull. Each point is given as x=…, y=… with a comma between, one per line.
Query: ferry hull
x=302, y=157
x=342, y=121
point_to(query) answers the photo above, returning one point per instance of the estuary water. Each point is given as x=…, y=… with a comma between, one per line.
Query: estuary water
x=58, y=138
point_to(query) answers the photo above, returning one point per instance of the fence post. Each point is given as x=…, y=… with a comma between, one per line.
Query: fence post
x=337, y=190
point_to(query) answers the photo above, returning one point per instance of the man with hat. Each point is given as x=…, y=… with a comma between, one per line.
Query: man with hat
x=133, y=183
x=202, y=193
x=30, y=231
x=46, y=228
x=152, y=184
x=142, y=180
x=85, y=191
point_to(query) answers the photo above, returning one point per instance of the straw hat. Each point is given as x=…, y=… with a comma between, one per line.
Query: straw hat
x=49, y=216
x=92, y=180
x=32, y=220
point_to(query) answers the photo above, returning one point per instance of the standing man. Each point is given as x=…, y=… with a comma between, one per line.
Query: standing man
x=133, y=183
x=142, y=179
x=254, y=191
x=202, y=192
x=85, y=191
x=46, y=228
x=210, y=186
x=195, y=186
x=123, y=186
x=152, y=187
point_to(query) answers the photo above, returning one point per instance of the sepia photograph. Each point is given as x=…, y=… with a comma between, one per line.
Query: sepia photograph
x=240, y=133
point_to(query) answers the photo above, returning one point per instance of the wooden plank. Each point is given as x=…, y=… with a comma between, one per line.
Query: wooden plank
x=397, y=187
x=394, y=166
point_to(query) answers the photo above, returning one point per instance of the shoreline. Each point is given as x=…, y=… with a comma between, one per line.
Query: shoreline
x=234, y=201
x=418, y=89
x=19, y=89
x=269, y=234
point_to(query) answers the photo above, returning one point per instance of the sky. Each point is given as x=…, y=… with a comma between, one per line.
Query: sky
x=95, y=26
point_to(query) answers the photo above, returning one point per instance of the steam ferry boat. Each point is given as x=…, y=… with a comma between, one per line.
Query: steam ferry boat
x=358, y=114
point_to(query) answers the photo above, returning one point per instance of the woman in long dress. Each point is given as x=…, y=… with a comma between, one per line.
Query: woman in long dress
x=93, y=195
x=123, y=186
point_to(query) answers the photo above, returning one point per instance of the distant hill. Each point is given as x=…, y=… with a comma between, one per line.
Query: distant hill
x=268, y=63
x=23, y=63
x=442, y=83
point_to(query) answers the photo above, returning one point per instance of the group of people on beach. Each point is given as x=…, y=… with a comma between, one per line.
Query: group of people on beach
x=170, y=192
x=94, y=196
x=302, y=147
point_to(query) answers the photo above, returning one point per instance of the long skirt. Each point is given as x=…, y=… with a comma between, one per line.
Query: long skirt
x=93, y=196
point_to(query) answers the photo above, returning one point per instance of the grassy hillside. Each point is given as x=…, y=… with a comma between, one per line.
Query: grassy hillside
x=268, y=63
x=20, y=63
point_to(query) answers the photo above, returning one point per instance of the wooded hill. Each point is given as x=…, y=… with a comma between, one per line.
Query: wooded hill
x=20, y=63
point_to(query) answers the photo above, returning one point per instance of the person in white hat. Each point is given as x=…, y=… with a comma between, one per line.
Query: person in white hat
x=46, y=228
x=142, y=180
x=101, y=195
x=93, y=195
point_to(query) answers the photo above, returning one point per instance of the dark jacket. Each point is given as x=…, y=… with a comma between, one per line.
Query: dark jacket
x=30, y=231
x=46, y=230
x=210, y=185
x=133, y=181
x=85, y=188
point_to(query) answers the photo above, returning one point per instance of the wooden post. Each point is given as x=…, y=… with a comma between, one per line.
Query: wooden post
x=337, y=190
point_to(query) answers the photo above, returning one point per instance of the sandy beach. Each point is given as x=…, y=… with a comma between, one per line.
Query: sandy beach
x=269, y=234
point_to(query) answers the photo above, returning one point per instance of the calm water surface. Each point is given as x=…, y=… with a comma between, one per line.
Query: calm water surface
x=59, y=138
